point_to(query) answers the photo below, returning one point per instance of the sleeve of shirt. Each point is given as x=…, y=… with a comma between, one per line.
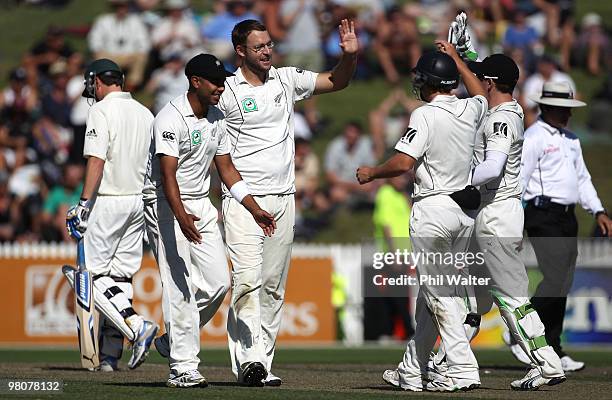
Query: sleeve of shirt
x=498, y=134
x=490, y=168
x=223, y=147
x=95, y=39
x=141, y=36
x=415, y=141
x=304, y=82
x=331, y=158
x=529, y=159
x=97, y=136
x=588, y=198
x=166, y=137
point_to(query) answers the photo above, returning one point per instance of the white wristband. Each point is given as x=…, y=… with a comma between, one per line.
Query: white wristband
x=239, y=191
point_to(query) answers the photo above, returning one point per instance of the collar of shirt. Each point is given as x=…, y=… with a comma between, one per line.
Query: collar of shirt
x=183, y=106
x=118, y=95
x=242, y=80
x=443, y=98
x=548, y=128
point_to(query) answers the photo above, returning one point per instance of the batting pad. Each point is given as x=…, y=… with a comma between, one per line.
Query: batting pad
x=103, y=304
x=527, y=330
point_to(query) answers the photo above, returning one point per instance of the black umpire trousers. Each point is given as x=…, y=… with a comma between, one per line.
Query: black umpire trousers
x=553, y=233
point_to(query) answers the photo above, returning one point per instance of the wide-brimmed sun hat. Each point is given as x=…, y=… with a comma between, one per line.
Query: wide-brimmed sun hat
x=558, y=94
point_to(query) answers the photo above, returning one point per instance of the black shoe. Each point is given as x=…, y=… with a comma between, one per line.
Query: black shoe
x=253, y=374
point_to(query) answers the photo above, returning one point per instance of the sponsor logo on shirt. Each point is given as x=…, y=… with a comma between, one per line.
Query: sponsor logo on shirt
x=91, y=133
x=409, y=136
x=249, y=105
x=196, y=137
x=168, y=136
x=551, y=148
x=500, y=129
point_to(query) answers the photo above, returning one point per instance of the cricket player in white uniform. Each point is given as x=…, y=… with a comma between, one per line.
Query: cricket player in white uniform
x=439, y=144
x=188, y=135
x=499, y=222
x=258, y=105
x=110, y=213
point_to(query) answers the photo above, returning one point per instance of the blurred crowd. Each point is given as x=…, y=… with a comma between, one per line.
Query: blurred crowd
x=43, y=116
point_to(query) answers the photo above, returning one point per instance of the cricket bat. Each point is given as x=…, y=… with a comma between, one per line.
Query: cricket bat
x=87, y=318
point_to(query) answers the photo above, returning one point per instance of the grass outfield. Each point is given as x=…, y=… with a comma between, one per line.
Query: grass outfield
x=308, y=373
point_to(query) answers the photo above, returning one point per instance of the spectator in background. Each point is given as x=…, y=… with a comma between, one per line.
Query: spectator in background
x=546, y=71
x=310, y=202
x=600, y=118
x=50, y=50
x=217, y=30
x=123, y=38
x=17, y=103
x=387, y=127
x=301, y=46
x=59, y=199
x=344, y=155
x=391, y=217
x=397, y=44
x=167, y=82
x=9, y=214
x=521, y=36
x=79, y=112
x=592, y=48
x=177, y=32
x=27, y=190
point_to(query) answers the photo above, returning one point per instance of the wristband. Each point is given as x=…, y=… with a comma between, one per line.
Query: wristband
x=598, y=213
x=239, y=191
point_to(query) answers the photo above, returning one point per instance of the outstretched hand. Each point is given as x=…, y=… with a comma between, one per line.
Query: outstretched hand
x=348, y=38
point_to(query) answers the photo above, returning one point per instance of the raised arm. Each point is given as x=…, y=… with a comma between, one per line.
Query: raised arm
x=471, y=82
x=339, y=77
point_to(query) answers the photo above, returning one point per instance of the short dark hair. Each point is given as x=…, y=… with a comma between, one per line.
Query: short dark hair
x=242, y=29
x=111, y=78
x=355, y=124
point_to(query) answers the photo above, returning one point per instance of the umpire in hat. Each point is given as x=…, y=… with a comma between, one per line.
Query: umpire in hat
x=555, y=179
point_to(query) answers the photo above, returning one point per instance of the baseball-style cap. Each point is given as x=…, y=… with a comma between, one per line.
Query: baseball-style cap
x=499, y=67
x=558, y=94
x=206, y=66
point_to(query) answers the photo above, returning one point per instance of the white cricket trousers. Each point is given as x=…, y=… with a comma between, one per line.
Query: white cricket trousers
x=195, y=277
x=113, y=241
x=438, y=225
x=259, y=273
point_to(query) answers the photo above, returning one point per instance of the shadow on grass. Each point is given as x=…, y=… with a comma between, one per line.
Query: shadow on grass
x=163, y=384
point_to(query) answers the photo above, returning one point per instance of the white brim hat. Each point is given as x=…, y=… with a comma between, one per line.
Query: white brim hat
x=559, y=94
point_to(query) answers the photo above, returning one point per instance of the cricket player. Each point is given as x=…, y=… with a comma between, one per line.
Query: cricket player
x=258, y=106
x=188, y=135
x=439, y=144
x=499, y=222
x=109, y=215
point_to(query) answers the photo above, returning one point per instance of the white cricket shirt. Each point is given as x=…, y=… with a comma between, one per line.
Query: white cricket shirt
x=502, y=130
x=260, y=126
x=552, y=165
x=440, y=137
x=177, y=132
x=118, y=132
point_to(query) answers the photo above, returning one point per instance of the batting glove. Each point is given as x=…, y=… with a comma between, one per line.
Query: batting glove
x=464, y=41
x=76, y=219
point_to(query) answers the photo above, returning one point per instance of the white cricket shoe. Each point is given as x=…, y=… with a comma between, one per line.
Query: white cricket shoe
x=516, y=349
x=162, y=344
x=533, y=380
x=452, y=385
x=570, y=365
x=144, y=338
x=108, y=364
x=435, y=372
x=272, y=380
x=392, y=377
x=186, y=379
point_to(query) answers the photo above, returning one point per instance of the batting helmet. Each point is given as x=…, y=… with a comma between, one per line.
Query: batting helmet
x=101, y=67
x=436, y=69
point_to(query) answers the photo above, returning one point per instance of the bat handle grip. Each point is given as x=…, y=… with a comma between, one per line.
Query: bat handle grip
x=81, y=255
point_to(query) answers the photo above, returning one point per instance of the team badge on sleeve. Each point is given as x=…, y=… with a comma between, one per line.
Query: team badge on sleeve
x=409, y=135
x=500, y=129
